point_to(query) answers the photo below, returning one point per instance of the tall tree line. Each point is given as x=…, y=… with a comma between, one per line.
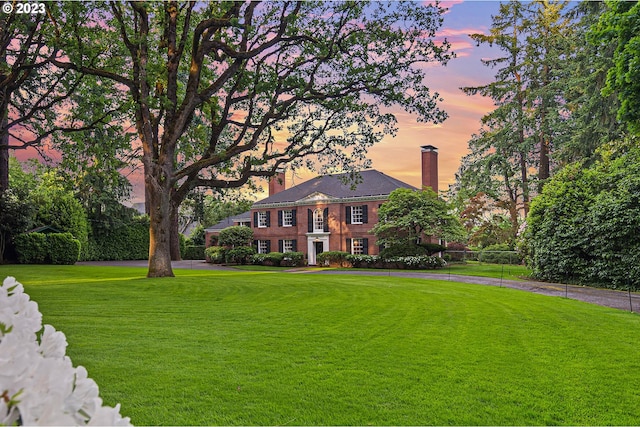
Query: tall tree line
x=550, y=110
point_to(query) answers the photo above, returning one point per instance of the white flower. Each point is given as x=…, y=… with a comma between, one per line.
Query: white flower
x=38, y=383
x=53, y=343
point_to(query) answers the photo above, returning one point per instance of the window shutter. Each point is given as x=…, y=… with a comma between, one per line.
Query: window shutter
x=349, y=249
x=293, y=218
x=310, y=222
x=365, y=214
x=294, y=245
x=268, y=246
x=268, y=218
x=280, y=214
x=365, y=246
x=325, y=219
x=255, y=220
x=347, y=212
x=280, y=246
x=255, y=245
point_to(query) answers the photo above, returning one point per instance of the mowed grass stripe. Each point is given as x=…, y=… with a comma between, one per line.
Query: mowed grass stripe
x=213, y=348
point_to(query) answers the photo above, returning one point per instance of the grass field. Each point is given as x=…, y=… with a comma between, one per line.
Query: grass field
x=262, y=348
x=470, y=268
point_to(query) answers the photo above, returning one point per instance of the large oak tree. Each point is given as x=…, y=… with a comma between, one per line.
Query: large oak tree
x=223, y=92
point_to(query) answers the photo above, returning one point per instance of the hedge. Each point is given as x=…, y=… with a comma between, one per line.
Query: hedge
x=52, y=248
x=128, y=242
x=194, y=252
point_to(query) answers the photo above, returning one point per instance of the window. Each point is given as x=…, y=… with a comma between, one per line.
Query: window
x=318, y=220
x=356, y=214
x=262, y=220
x=357, y=246
x=263, y=246
x=288, y=246
x=287, y=218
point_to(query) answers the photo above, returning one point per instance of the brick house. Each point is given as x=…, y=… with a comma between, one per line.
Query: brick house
x=324, y=213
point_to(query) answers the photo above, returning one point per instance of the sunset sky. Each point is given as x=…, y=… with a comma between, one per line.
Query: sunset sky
x=400, y=156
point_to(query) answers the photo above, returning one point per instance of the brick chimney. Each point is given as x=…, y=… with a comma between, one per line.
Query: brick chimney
x=430, y=167
x=277, y=183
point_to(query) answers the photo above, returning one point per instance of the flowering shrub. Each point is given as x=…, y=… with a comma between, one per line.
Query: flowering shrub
x=38, y=384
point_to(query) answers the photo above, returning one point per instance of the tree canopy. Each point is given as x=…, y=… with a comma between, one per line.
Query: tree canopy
x=583, y=228
x=619, y=26
x=410, y=215
x=220, y=93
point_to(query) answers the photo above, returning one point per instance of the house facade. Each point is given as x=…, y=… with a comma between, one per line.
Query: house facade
x=326, y=213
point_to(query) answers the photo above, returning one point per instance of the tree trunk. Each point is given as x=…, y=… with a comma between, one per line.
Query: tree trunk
x=4, y=145
x=159, y=229
x=175, y=234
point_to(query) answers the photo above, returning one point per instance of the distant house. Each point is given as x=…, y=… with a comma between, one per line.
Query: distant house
x=325, y=213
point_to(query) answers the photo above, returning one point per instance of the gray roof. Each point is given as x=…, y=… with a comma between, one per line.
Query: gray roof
x=231, y=221
x=371, y=183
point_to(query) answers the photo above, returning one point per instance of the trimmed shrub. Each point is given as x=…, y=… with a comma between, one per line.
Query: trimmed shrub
x=63, y=248
x=53, y=248
x=194, y=252
x=215, y=254
x=333, y=259
x=240, y=255
x=293, y=259
x=273, y=259
x=31, y=248
x=235, y=236
x=129, y=241
x=363, y=261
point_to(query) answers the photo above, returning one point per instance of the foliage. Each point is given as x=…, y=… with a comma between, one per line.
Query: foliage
x=215, y=254
x=333, y=259
x=62, y=248
x=197, y=235
x=16, y=216
x=501, y=253
x=584, y=228
x=31, y=248
x=279, y=259
x=128, y=241
x=239, y=254
x=403, y=250
x=58, y=208
x=39, y=384
x=236, y=235
x=194, y=252
x=548, y=105
x=272, y=258
x=618, y=26
x=51, y=248
x=410, y=215
x=293, y=259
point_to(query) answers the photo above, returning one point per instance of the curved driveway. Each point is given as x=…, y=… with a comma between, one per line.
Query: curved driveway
x=621, y=300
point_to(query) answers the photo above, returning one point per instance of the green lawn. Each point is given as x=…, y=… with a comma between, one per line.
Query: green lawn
x=264, y=348
x=469, y=268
